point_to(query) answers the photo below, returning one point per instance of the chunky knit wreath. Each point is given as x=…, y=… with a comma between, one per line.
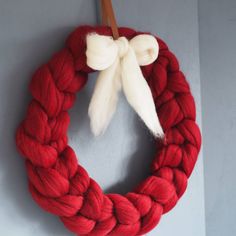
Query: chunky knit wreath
x=63, y=187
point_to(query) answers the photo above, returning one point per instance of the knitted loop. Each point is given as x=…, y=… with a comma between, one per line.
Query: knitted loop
x=62, y=187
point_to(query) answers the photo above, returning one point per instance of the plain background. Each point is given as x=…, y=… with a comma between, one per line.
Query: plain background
x=32, y=30
x=217, y=21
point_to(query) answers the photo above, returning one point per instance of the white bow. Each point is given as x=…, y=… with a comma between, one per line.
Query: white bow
x=118, y=62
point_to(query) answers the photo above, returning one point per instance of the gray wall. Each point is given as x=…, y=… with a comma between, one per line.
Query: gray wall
x=218, y=82
x=31, y=30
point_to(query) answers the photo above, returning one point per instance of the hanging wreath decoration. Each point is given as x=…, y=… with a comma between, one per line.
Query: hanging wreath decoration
x=63, y=187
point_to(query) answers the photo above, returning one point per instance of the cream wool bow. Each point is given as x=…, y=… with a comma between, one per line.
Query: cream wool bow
x=118, y=62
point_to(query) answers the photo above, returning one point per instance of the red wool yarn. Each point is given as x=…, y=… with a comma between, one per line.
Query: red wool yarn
x=62, y=187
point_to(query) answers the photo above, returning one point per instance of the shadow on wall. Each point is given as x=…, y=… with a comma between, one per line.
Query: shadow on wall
x=14, y=99
x=135, y=164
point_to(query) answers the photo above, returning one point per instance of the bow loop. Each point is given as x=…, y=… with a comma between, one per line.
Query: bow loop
x=146, y=49
x=101, y=51
x=119, y=62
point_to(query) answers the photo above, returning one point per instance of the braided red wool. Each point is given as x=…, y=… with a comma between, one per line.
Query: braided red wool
x=62, y=187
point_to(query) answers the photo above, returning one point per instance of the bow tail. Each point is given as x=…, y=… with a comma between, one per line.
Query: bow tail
x=104, y=100
x=138, y=93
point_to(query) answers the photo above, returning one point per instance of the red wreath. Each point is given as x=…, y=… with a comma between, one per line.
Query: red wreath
x=63, y=187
